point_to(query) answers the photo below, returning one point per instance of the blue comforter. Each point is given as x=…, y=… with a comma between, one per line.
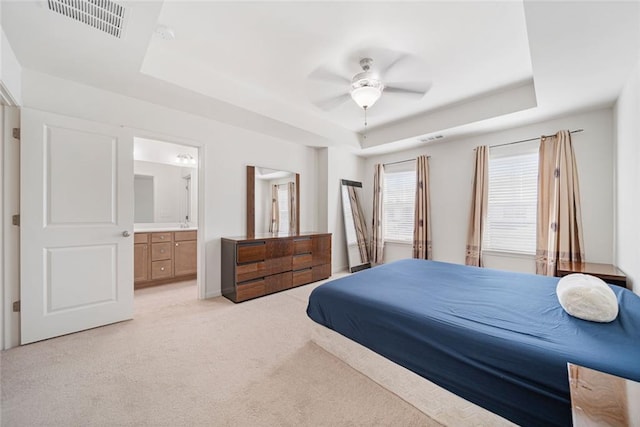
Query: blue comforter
x=498, y=339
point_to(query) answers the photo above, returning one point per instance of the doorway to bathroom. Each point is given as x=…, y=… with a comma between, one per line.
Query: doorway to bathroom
x=165, y=220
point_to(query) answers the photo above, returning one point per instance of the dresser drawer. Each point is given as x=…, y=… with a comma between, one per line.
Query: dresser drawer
x=140, y=237
x=161, y=269
x=278, y=282
x=302, y=277
x=302, y=261
x=321, y=272
x=160, y=251
x=179, y=236
x=160, y=237
x=250, y=290
x=302, y=246
x=251, y=252
x=279, y=248
x=278, y=265
x=250, y=271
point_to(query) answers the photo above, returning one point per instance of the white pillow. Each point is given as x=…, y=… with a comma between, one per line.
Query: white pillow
x=587, y=297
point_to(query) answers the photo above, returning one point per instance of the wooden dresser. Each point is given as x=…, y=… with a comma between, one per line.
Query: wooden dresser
x=164, y=257
x=265, y=264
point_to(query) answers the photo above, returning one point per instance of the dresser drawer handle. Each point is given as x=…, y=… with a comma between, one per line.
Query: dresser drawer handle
x=177, y=244
x=161, y=251
x=161, y=237
x=161, y=268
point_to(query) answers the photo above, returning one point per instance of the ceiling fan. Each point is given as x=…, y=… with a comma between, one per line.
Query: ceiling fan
x=368, y=86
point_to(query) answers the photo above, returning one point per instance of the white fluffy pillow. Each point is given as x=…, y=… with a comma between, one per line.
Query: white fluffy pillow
x=587, y=297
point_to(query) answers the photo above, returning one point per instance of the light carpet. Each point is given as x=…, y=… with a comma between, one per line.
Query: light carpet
x=185, y=362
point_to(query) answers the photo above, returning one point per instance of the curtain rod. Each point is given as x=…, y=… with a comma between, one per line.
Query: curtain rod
x=402, y=161
x=532, y=139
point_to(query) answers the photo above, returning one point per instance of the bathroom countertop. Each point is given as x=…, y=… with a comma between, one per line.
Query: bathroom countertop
x=160, y=228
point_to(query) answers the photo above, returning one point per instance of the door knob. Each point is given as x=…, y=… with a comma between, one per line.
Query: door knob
x=125, y=233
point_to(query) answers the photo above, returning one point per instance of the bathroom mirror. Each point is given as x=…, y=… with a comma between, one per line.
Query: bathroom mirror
x=164, y=193
x=355, y=226
x=273, y=201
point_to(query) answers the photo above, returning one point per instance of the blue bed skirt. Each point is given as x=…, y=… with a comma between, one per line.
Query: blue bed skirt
x=498, y=339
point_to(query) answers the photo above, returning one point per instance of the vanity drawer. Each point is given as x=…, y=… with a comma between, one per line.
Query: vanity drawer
x=160, y=237
x=302, y=277
x=250, y=271
x=160, y=251
x=250, y=290
x=251, y=252
x=161, y=269
x=302, y=246
x=302, y=261
x=141, y=238
x=185, y=235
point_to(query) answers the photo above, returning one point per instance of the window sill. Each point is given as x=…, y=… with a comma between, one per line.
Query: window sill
x=398, y=242
x=502, y=254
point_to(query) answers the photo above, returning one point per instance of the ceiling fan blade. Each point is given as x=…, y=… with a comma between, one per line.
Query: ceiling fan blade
x=408, y=88
x=384, y=72
x=332, y=102
x=324, y=75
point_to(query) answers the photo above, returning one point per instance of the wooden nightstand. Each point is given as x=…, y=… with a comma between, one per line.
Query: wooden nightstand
x=599, y=399
x=607, y=272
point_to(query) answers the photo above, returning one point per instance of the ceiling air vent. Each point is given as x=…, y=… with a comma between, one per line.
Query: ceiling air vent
x=104, y=15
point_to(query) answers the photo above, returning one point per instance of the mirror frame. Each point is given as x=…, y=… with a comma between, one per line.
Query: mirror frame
x=251, y=201
x=364, y=263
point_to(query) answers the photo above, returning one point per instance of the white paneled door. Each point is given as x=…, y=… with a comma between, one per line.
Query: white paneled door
x=76, y=228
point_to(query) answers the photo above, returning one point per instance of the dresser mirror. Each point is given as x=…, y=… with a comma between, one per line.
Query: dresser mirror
x=355, y=226
x=273, y=202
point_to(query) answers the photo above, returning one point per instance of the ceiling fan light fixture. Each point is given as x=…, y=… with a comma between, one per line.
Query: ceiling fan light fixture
x=367, y=95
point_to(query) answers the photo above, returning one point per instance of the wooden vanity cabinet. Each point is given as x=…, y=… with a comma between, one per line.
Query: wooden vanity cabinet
x=263, y=265
x=164, y=257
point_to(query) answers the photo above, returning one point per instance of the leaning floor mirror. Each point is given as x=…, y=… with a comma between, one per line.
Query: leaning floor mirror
x=355, y=226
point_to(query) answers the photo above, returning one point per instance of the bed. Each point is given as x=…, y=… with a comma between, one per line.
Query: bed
x=497, y=339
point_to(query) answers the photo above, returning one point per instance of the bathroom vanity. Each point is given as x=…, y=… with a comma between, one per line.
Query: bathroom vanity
x=164, y=256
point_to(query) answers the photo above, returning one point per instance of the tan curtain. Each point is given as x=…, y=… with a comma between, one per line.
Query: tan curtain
x=559, y=227
x=377, y=230
x=478, y=213
x=275, y=210
x=293, y=215
x=359, y=223
x=422, y=213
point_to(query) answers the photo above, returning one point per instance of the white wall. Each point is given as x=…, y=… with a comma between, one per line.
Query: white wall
x=225, y=152
x=451, y=169
x=627, y=129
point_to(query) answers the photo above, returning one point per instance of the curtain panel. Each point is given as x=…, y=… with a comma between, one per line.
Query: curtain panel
x=478, y=215
x=377, y=232
x=293, y=214
x=422, y=214
x=274, y=226
x=559, y=222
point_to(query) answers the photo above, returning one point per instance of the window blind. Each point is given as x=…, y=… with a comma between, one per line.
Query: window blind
x=512, y=203
x=399, y=199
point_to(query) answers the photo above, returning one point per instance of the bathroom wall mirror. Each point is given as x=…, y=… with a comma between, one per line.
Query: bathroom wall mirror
x=273, y=201
x=164, y=193
x=355, y=226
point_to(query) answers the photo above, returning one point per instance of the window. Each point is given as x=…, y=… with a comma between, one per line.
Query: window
x=512, y=204
x=399, y=200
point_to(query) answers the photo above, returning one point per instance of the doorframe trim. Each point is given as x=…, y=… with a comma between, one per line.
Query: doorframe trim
x=201, y=147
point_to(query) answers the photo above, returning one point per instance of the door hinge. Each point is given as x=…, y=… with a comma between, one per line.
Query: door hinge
x=15, y=220
x=16, y=133
x=16, y=306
